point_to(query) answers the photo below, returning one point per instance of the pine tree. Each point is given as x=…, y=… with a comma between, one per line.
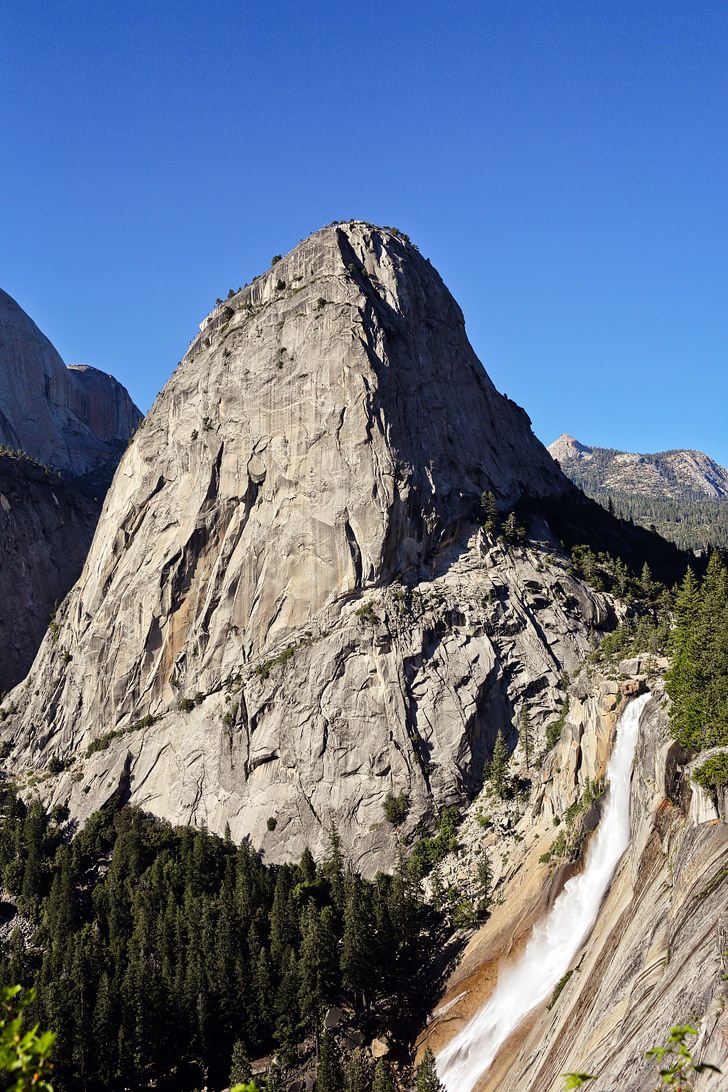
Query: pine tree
x=356, y=955
x=329, y=1077
x=713, y=639
x=334, y=867
x=284, y=931
x=490, y=513
x=510, y=528
x=697, y=682
x=525, y=735
x=318, y=965
x=382, y=1079
x=355, y=1078
x=427, y=1079
x=484, y=874
x=497, y=770
x=263, y=988
x=287, y=1005
x=437, y=887
x=104, y=1032
x=403, y=907
x=240, y=1069
x=307, y=866
x=647, y=584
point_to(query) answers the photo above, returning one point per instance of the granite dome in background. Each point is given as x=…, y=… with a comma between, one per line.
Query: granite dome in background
x=72, y=419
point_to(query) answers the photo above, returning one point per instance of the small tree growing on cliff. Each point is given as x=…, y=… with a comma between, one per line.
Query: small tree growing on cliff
x=427, y=1079
x=512, y=530
x=490, y=513
x=496, y=771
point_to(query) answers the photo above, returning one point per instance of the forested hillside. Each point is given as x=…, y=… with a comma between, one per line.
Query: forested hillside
x=164, y=955
x=681, y=495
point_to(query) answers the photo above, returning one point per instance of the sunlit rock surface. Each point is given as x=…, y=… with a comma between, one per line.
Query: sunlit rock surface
x=328, y=431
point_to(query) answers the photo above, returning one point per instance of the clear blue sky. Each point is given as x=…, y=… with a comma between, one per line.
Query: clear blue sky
x=563, y=164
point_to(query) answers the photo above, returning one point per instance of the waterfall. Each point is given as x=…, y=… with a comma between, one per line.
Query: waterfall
x=555, y=940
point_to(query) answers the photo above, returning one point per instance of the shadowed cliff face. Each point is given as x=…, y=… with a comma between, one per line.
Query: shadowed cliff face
x=72, y=419
x=329, y=429
x=46, y=528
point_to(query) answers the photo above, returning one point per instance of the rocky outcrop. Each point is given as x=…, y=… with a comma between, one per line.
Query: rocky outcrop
x=288, y=610
x=657, y=954
x=567, y=449
x=71, y=419
x=46, y=527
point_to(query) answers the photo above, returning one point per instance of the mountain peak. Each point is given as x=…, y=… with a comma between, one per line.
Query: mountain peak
x=567, y=447
x=329, y=431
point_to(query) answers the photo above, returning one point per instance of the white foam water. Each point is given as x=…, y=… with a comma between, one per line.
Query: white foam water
x=555, y=940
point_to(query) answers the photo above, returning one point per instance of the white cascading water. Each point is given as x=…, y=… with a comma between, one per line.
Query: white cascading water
x=556, y=939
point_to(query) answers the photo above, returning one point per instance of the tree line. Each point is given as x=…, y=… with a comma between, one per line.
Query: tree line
x=164, y=955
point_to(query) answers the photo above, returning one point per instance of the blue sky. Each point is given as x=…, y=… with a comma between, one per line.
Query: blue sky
x=563, y=164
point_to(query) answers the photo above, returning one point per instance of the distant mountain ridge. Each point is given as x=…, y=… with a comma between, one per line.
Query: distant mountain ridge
x=677, y=473
x=682, y=494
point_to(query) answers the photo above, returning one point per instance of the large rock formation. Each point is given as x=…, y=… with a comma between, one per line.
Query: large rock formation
x=656, y=956
x=71, y=419
x=287, y=610
x=46, y=527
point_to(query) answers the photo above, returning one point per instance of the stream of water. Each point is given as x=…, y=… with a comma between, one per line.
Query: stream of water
x=529, y=980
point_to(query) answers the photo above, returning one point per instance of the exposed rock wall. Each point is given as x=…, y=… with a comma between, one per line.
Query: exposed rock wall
x=72, y=419
x=329, y=430
x=46, y=528
x=656, y=956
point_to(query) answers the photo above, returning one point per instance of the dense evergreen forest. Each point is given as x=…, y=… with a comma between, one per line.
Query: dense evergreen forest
x=165, y=957
x=695, y=524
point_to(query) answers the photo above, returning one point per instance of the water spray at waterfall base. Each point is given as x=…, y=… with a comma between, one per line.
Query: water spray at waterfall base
x=556, y=938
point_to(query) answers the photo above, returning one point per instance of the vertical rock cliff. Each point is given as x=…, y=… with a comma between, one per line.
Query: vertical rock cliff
x=73, y=420
x=288, y=610
x=46, y=527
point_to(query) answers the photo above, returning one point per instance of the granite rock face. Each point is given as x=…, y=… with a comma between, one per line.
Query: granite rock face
x=288, y=610
x=656, y=956
x=46, y=527
x=71, y=419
